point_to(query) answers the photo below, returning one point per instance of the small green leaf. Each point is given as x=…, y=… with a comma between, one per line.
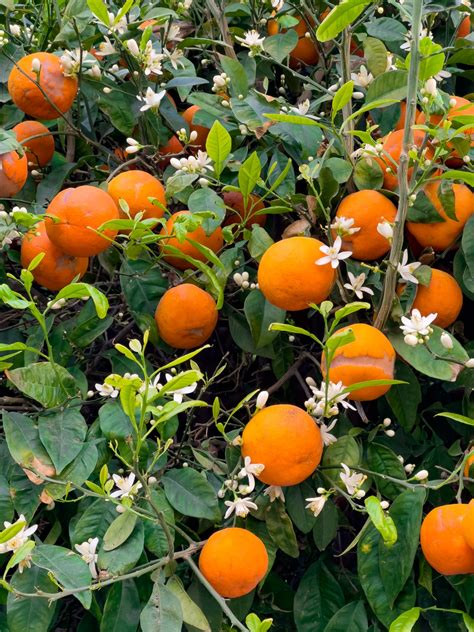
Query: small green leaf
x=218, y=146
x=341, y=16
x=381, y=521
x=342, y=98
x=249, y=174
x=119, y=531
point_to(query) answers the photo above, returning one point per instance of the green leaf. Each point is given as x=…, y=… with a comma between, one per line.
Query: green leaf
x=207, y=201
x=340, y=169
x=62, y=434
x=325, y=526
x=381, y=521
x=344, y=450
x=249, y=174
x=387, y=30
x=29, y=613
x=78, y=290
x=421, y=359
x=376, y=56
x=218, y=146
x=99, y=9
x=76, y=472
x=122, y=608
x=281, y=529
x=121, y=109
x=11, y=531
x=348, y=309
x=465, y=176
x=24, y=443
x=384, y=461
x=155, y=538
x=295, y=501
x=368, y=175
x=68, y=568
x=48, y=384
x=119, y=531
x=350, y=618
x=280, y=46
x=190, y=493
x=294, y=119
x=431, y=59
x=239, y=84
x=389, y=85
x=423, y=210
x=468, y=244
x=123, y=558
x=259, y=242
x=162, y=612
x=456, y=417
x=406, y=621
x=260, y=314
x=342, y=98
x=404, y=399
x=341, y=16
x=318, y=598
x=19, y=555
x=192, y=613
x=93, y=522
x=114, y=423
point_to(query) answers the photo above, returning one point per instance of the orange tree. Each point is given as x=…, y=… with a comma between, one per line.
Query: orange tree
x=237, y=256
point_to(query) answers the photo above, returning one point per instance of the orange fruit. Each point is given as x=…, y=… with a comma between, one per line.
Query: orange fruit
x=235, y=200
x=39, y=151
x=464, y=28
x=136, y=187
x=186, y=316
x=305, y=51
x=214, y=242
x=442, y=295
x=463, y=107
x=286, y=440
x=443, y=543
x=369, y=357
x=27, y=96
x=13, y=173
x=80, y=212
x=392, y=148
x=367, y=209
x=467, y=527
x=202, y=132
x=468, y=465
x=403, y=112
x=56, y=269
x=289, y=277
x=233, y=561
x=441, y=235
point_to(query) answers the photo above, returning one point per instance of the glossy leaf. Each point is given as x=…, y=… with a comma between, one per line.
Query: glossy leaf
x=190, y=493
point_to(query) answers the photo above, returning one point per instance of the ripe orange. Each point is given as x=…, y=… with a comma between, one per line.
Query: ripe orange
x=202, y=132
x=286, y=440
x=403, y=112
x=289, y=277
x=369, y=357
x=443, y=543
x=464, y=28
x=56, y=269
x=463, y=107
x=136, y=187
x=441, y=235
x=469, y=465
x=39, y=150
x=27, y=96
x=186, y=316
x=392, y=149
x=443, y=296
x=13, y=173
x=235, y=200
x=80, y=212
x=367, y=209
x=233, y=561
x=467, y=527
x=214, y=242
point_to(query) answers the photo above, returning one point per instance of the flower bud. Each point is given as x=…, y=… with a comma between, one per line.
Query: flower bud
x=421, y=475
x=446, y=340
x=385, y=504
x=411, y=340
x=262, y=399
x=36, y=65
x=469, y=364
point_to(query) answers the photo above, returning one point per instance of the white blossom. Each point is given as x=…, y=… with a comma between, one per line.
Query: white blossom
x=326, y=404
x=241, y=507
x=15, y=30
x=405, y=269
x=469, y=364
x=351, y=480
x=106, y=47
x=262, y=399
x=253, y=41
x=356, y=285
x=326, y=435
x=417, y=326
x=115, y=25
x=88, y=553
x=151, y=99
x=301, y=108
x=179, y=392
x=126, y=486
x=250, y=470
x=174, y=57
x=385, y=229
x=446, y=340
x=316, y=504
x=18, y=540
x=344, y=226
x=106, y=390
x=274, y=492
x=193, y=164
x=333, y=254
x=362, y=78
